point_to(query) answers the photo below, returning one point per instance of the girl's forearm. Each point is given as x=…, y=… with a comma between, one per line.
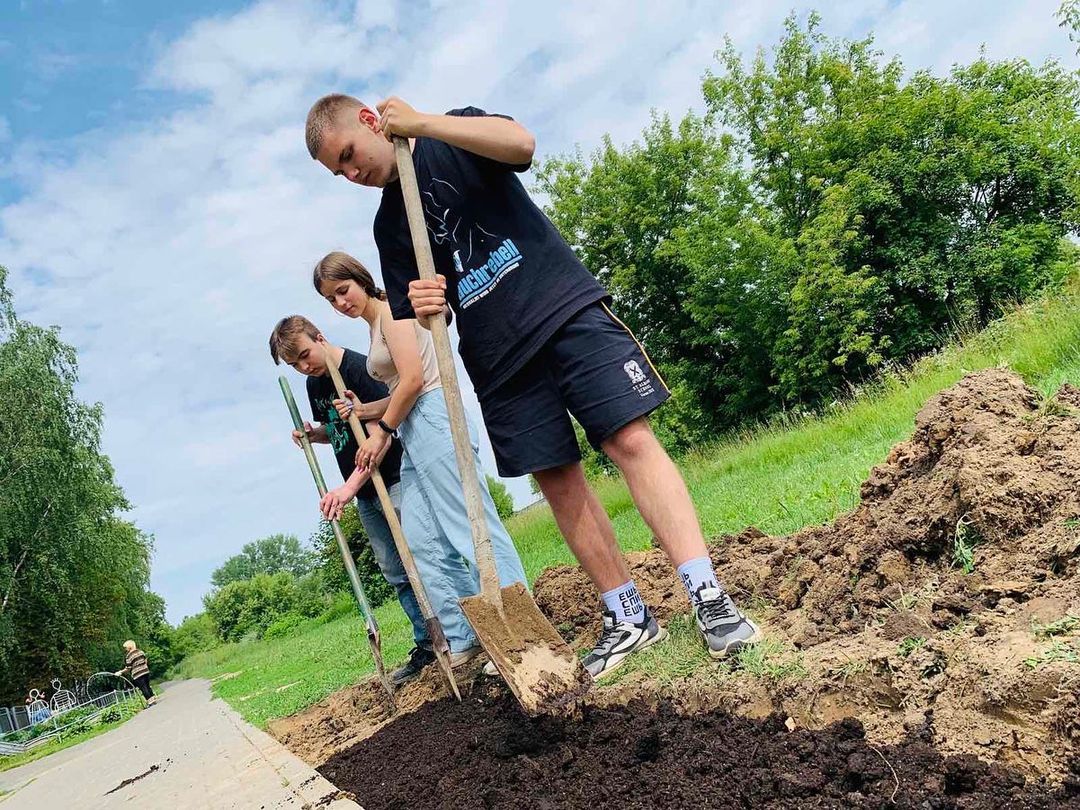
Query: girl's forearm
x=372, y=411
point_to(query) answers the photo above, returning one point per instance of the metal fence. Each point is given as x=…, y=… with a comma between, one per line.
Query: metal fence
x=55, y=723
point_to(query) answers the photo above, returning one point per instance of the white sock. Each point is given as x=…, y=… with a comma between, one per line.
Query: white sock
x=625, y=602
x=698, y=573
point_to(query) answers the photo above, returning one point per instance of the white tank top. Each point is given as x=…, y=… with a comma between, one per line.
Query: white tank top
x=380, y=363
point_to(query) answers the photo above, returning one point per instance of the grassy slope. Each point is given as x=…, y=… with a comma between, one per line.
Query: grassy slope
x=778, y=478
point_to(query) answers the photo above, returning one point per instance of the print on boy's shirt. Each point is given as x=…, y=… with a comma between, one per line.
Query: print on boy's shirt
x=481, y=258
x=448, y=227
x=478, y=282
x=336, y=431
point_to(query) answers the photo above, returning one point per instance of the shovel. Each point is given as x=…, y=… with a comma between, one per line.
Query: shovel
x=538, y=666
x=434, y=627
x=343, y=546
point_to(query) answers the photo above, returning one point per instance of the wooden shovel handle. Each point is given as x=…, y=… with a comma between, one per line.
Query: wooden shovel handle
x=444, y=354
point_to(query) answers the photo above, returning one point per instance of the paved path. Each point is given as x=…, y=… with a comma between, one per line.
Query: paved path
x=188, y=751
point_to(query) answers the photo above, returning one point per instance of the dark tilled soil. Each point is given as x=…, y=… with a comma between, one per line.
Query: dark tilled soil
x=484, y=753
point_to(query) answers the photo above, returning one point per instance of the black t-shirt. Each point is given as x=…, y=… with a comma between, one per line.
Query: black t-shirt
x=511, y=279
x=321, y=395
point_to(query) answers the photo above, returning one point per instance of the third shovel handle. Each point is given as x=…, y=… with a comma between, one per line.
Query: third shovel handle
x=444, y=354
x=389, y=512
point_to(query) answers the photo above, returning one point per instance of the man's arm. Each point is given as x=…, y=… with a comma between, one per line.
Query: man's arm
x=489, y=136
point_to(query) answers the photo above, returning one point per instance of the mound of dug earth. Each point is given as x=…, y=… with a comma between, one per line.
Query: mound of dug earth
x=484, y=753
x=948, y=600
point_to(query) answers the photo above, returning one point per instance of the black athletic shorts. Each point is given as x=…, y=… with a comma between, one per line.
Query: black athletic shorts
x=593, y=368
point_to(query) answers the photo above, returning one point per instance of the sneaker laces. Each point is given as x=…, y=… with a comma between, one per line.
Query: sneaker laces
x=609, y=637
x=718, y=609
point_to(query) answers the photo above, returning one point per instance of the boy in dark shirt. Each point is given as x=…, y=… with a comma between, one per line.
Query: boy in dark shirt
x=296, y=341
x=538, y=341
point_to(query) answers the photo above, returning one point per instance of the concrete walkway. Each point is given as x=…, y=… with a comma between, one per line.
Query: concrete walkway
x=188, y=751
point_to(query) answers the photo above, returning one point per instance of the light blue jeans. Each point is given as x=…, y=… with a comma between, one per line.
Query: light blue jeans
x=386, y=555
x=435, y=522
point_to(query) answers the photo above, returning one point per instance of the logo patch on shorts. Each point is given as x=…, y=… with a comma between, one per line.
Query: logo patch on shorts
x=638, y=378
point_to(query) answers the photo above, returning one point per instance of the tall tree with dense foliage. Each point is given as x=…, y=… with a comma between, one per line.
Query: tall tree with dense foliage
x=268, y=555
x=73, y=572
x=826, y=215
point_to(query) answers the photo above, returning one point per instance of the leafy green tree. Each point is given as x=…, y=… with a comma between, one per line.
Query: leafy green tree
x=328, y=558
x=269, y=555
x=73, y=573
x=504, y=501
x=194, y=634
x=827, y=215
x=248, y=606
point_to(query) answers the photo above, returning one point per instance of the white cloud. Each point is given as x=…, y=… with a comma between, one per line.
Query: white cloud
x=170, y=248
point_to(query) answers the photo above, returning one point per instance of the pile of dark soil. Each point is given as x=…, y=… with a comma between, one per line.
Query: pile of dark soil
x=879, y=605
x=936, y=627
x=485, y=753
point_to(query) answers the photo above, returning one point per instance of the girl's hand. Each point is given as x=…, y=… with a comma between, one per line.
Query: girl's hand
x=334, y=501
x=344, y=407
x=373, y=449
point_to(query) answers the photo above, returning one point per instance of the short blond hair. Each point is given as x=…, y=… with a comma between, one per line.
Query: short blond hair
x=324, y=115
x=129, y=645
x=288, y=330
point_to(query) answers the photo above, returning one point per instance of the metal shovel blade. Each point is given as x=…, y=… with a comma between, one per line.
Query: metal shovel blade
x=538, y=666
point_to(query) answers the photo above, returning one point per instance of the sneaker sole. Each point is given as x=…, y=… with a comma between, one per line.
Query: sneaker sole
x=663, y=634
x=734, y=646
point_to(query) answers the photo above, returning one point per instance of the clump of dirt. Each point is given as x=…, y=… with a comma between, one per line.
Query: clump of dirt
x=485, y=753
x=935, y=593
x=350, y=715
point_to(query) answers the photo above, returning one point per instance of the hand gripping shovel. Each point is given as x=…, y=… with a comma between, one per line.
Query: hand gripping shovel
x=343, y=547
x=538, y=666
x=434, y=628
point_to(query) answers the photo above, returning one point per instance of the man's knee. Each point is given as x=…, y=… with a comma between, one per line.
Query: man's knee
x=557, y=481
x=632, y=441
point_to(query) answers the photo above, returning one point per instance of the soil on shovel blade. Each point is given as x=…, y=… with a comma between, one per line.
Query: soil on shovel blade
x=486, y=754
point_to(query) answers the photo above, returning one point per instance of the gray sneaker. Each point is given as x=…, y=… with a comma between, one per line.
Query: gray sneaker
x=620, y=639
x=723, y=626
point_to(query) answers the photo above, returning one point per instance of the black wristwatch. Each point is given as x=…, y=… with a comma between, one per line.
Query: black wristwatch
x=389, y=430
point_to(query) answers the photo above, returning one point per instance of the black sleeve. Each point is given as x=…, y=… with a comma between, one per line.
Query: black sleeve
x=362, y=384
x=483, y=162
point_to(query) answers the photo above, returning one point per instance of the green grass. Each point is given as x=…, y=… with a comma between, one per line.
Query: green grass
x=780, y=477
x=1058, y=651
x=1061, y=627
x=909, y=645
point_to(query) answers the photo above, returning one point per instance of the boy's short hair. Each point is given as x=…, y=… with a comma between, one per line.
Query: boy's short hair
x=323, y=115
x=283, y=338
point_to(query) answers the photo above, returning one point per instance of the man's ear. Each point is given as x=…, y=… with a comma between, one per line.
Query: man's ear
x=320, y=338
x=368, y=118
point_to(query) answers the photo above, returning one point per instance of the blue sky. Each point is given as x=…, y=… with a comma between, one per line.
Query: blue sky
x=157, y=202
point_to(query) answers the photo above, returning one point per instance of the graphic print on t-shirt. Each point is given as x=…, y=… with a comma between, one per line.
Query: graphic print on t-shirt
x=336, y=431
x=481, y=258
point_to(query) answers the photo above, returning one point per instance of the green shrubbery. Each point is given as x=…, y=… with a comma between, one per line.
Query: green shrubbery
x=827, y=216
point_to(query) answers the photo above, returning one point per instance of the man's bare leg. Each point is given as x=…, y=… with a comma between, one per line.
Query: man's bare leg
x=585, y=525
x=658, y=490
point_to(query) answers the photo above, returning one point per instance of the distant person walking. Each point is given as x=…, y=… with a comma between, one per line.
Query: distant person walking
x=136, y=664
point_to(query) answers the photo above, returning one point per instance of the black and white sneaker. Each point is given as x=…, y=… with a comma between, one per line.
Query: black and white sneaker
x=723, y=626
x=618, y=640
x=419, y=658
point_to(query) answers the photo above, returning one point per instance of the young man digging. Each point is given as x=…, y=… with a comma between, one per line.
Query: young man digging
x=296, y=341
x=537, y=340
